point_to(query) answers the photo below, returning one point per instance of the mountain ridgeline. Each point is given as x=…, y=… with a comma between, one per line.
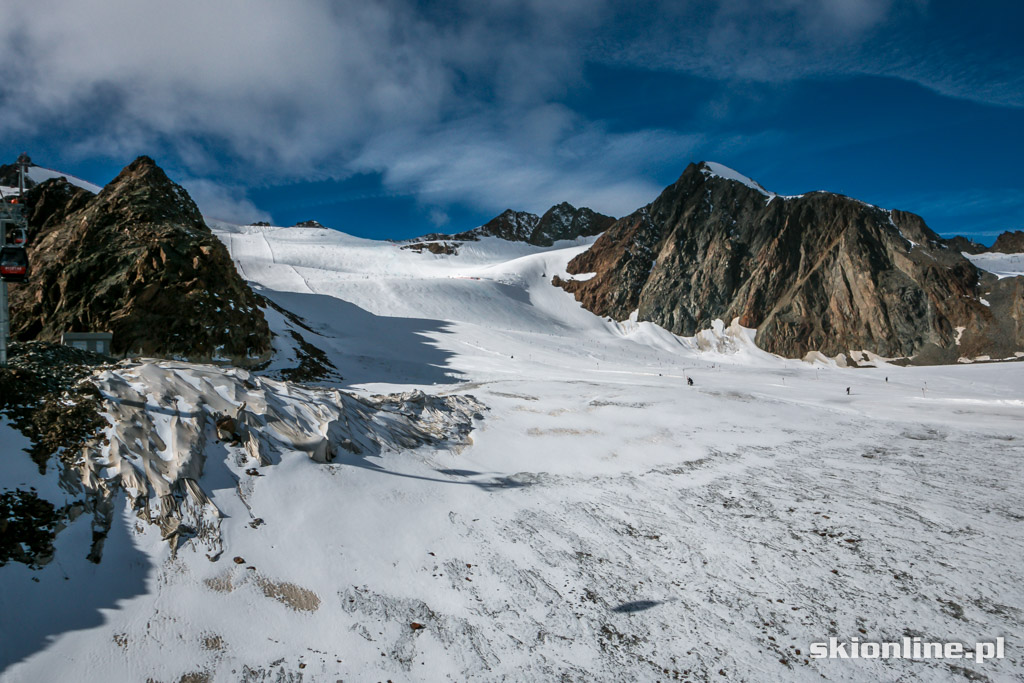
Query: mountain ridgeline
x=136, y=260
x=815, y=272
x=561, y=222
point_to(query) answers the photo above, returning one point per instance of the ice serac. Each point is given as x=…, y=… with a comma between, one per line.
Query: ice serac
x=816, y=272
x=136, y=260
x=164, y=418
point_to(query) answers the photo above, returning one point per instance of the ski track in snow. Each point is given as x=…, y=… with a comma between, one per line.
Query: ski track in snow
x=608, y=523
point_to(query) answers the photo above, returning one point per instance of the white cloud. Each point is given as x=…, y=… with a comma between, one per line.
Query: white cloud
x=530, y=161
x=450, y=100
x=438, y=217
x=223, y=202
x=286, y=84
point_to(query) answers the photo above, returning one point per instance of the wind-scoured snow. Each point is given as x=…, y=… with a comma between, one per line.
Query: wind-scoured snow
x=607, y=521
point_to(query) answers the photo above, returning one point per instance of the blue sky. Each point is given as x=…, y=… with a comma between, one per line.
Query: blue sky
x=390, y=119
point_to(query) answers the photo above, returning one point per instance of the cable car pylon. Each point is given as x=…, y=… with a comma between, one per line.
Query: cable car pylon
x=14, y=266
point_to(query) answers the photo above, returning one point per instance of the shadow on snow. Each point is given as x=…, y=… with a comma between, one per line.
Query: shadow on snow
x=368, y=348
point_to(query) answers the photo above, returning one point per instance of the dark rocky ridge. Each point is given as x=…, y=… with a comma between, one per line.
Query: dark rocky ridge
x=566, y=222
x=136, y=260
x=819, y=272
x=49, y=203
x=560, y=222
x=514, y=226
x=1009, y=242
x=963, y=244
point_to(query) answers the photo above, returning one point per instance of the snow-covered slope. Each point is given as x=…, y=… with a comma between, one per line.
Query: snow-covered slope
x=608, y=521
x=1003, y=265
x=38, y=174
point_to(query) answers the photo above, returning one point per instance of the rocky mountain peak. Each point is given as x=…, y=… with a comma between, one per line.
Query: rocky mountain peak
x=565, y=222
x=142, y=192
x=1009, y=242
x=136, y=260
x=815, y=272
x=561, y=222
x=515, y=226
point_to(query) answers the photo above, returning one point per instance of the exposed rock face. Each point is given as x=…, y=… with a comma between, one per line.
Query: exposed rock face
x=302, y=224
x=1009, y=243
x=515, y=226
x=818, y=272
x=441, y=247
x=963, y=244
x=566, y=222
x=561, y=222
x=50, y=202
x=136, y=260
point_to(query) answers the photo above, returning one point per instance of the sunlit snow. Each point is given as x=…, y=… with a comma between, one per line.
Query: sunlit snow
x=608, y=522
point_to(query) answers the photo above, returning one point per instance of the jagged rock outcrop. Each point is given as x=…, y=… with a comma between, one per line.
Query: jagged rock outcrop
x=51, y=202
x=1009, y=242
x=136, y=260
x=566, y=222
x=561, y=222
x=440, y=247
x=817, y=272
x=514, y=226
x=303, y=224
x=964, y=244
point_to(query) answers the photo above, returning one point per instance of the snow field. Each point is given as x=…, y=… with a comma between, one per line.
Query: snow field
x=607, y=523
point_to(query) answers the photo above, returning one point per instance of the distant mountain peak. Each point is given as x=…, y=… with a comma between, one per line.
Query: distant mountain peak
x=1009, y=242
x=561, y=222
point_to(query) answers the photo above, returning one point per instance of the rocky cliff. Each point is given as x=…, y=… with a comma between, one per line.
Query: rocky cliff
x=50, y=203
x=815, y=272
x=965, y=244
x=1009, y=242
x=515, y=226
x=566, y=222
x=136, y=260
x=561, y=222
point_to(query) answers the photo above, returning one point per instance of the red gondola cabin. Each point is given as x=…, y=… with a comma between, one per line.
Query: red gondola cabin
x=13, y=264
